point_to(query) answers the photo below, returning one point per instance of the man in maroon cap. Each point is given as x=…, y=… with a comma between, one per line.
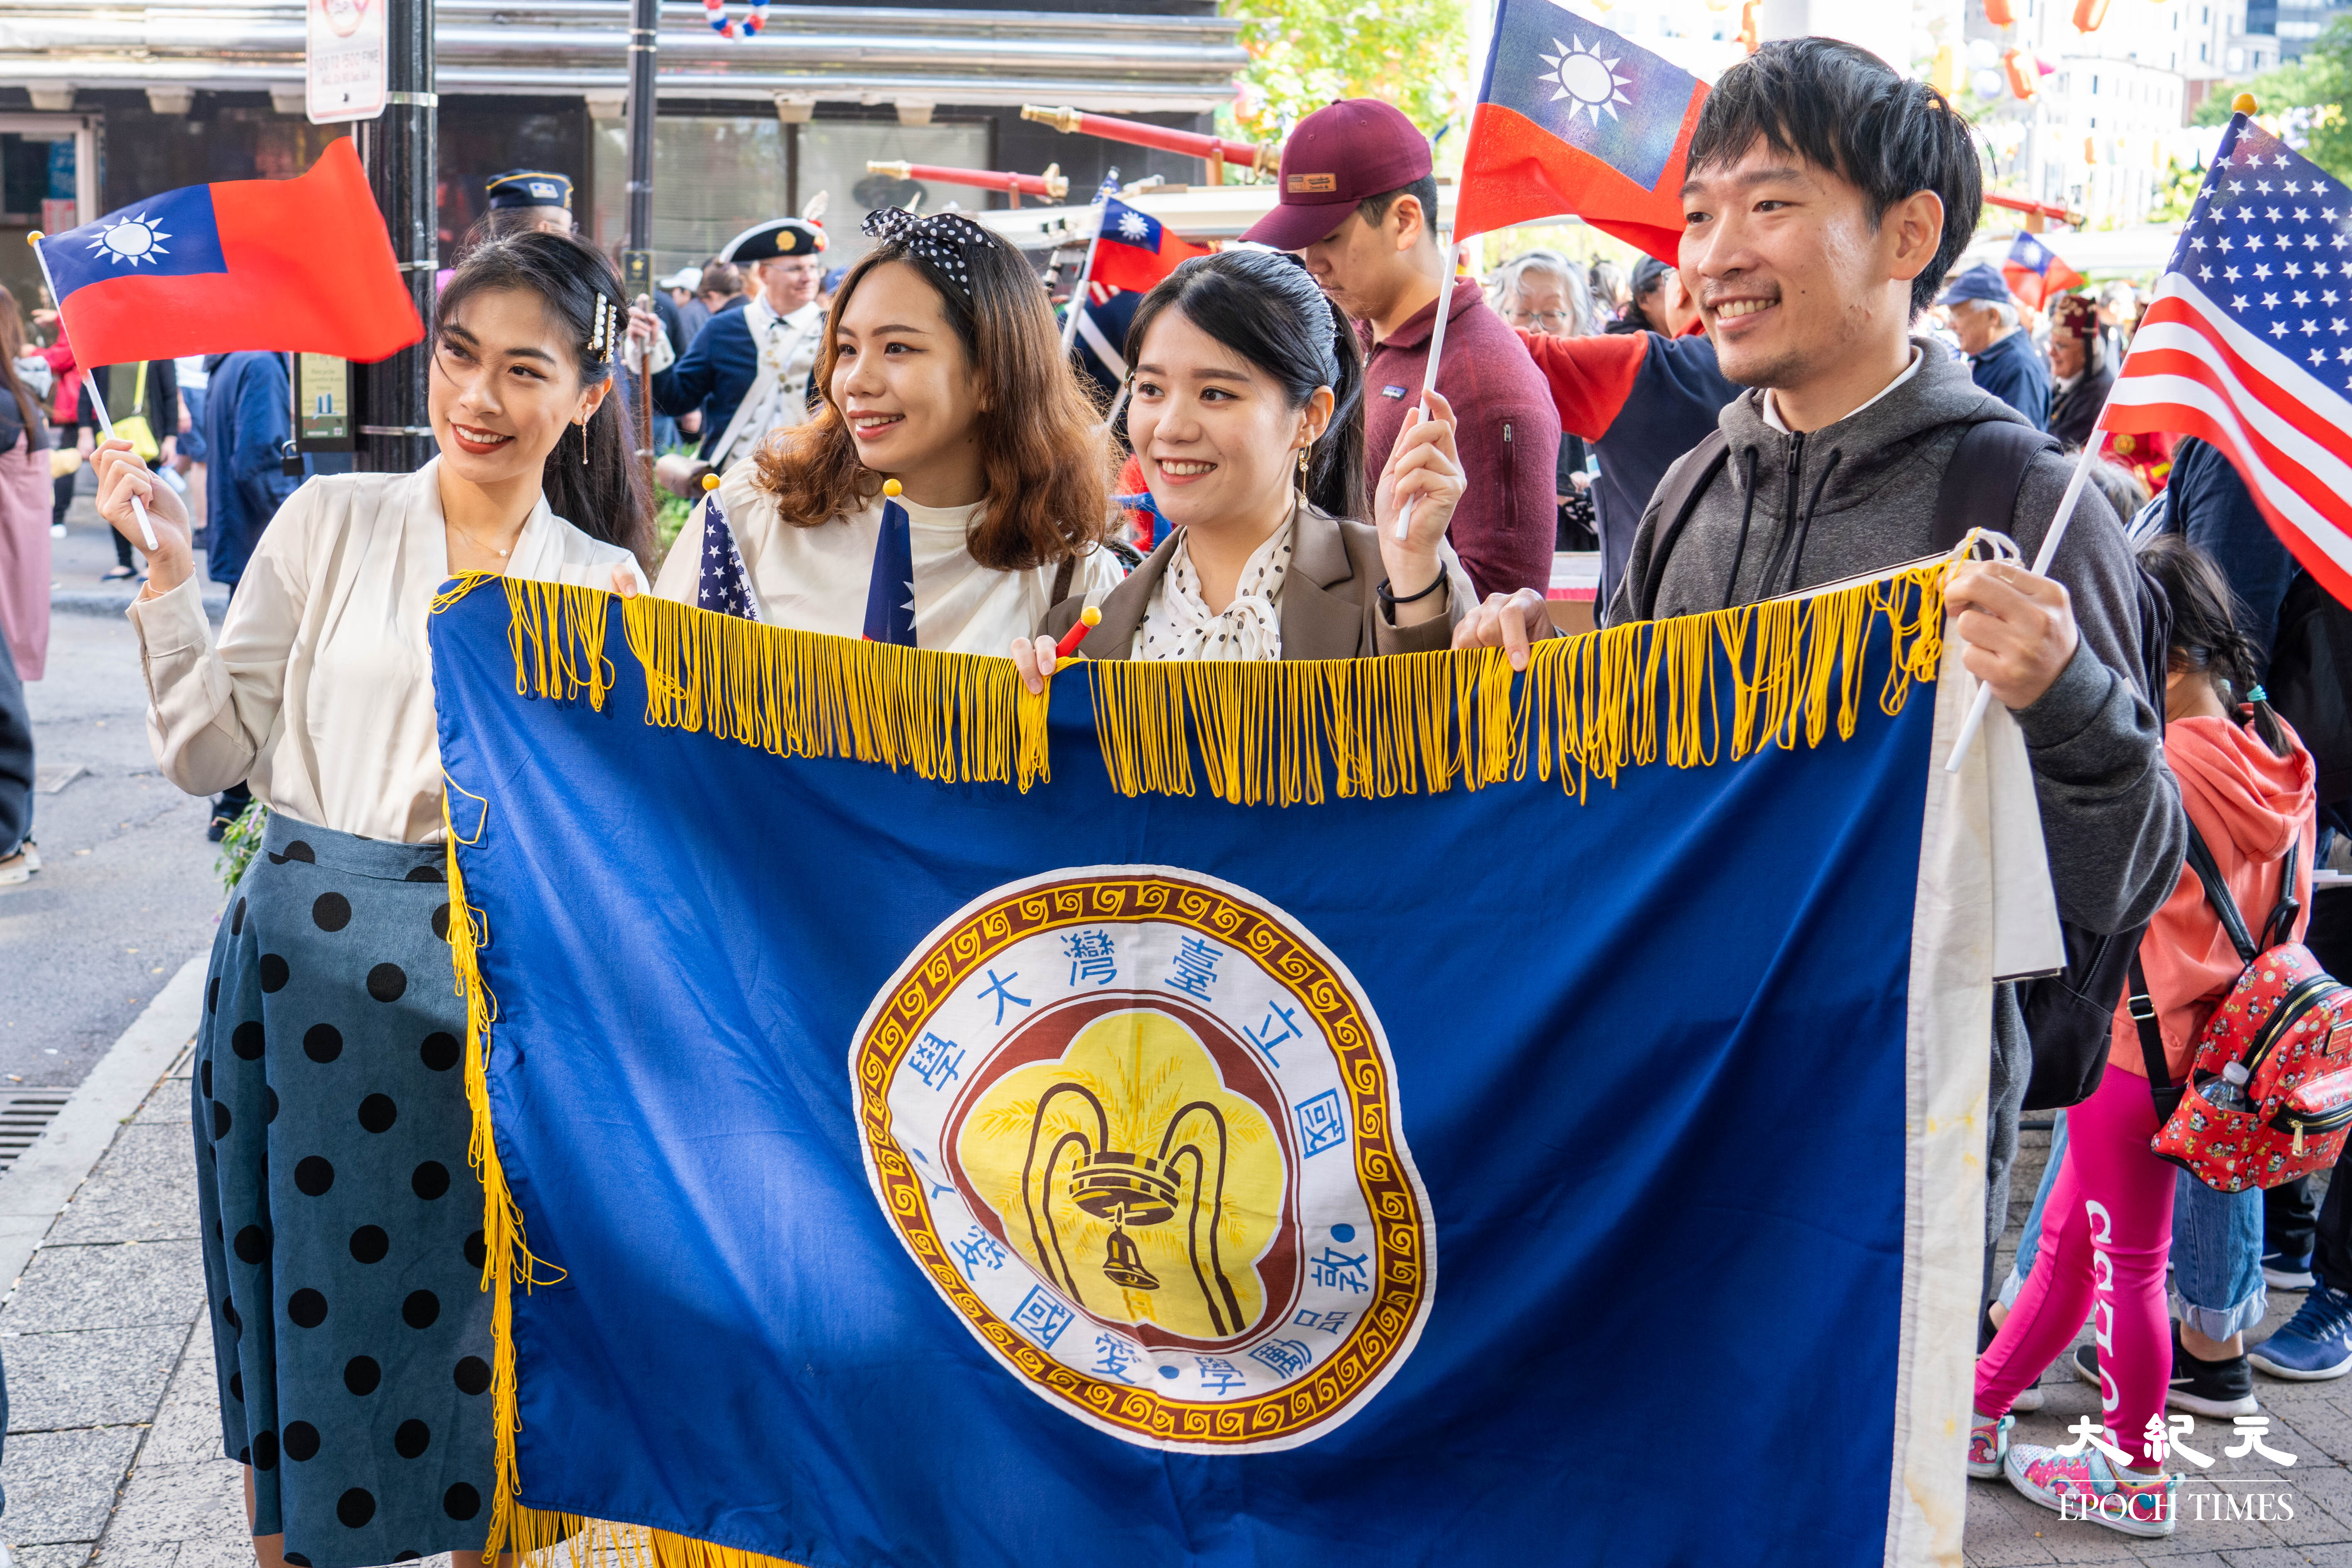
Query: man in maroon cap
x=1358, y=206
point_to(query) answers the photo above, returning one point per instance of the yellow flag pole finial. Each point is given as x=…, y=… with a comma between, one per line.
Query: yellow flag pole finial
x=710, y=482
x=2245, y=103
x=892, y=488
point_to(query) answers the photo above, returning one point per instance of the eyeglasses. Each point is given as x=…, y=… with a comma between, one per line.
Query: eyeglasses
x=1543, y=321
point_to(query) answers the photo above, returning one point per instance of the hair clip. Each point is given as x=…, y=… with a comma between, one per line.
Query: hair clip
x=607, y=328
x=944, y=239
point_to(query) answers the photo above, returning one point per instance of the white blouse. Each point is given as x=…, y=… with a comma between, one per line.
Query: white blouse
x=319, y=692
x=815, y=579
x=1179, y=625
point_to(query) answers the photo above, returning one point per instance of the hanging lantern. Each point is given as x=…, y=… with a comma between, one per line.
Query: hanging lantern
x=1751, y=26
x=2090, y=149
x=2023, y=79
x=2089, y=13
x=1999, y=13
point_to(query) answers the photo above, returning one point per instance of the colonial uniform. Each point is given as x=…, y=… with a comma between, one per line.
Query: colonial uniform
x=749, y=370
x=341, y=1220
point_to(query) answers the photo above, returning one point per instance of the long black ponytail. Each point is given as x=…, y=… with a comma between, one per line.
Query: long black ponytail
x=1264, y=307
x=2205, y=636
x=593, y=479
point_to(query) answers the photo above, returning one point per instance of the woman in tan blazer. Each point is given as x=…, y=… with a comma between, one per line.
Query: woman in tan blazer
x=1246, y=415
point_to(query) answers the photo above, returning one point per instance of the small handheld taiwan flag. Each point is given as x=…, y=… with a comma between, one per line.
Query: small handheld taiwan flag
x=302, y=265
x=2035, y=273
x=1137, y=250
x=2249, y=343
x=1572, y=119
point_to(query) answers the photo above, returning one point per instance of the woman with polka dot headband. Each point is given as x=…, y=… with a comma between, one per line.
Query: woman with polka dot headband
x=941, y=370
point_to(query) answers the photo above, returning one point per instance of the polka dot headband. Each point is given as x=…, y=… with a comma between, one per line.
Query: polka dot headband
x=944, y=239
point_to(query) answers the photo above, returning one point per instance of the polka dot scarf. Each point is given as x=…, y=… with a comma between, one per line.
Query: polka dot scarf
x=946, y=240
x=1179, y=623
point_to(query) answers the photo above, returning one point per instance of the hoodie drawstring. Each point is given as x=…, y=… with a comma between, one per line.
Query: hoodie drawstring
x=1746, y=512
x=1805, y=522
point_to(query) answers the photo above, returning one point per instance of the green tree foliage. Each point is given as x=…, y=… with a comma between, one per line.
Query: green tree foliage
x=1304, y=53
x=2302, y=100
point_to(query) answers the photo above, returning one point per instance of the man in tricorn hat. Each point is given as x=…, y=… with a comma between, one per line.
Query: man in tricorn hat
x=544, y=194
x=748, y=370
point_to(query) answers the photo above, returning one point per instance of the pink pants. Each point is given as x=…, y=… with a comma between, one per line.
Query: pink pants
x=2107, y=1233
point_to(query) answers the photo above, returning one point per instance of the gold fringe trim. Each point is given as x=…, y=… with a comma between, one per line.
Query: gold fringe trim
x=951, y=716
x=1588, y=707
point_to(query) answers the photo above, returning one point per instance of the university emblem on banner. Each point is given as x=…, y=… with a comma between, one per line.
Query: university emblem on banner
x=1140, y=1130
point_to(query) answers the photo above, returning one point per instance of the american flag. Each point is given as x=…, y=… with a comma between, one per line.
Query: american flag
x=726, y=585
x=2249, y=342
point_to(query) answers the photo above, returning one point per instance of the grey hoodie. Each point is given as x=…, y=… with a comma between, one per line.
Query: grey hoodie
x=1858, y=497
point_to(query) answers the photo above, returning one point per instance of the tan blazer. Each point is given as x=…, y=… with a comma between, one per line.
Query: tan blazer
x=1330, y=604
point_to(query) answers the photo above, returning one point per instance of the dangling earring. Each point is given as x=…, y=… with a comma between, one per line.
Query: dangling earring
x=583, y=443
x=1303, y=453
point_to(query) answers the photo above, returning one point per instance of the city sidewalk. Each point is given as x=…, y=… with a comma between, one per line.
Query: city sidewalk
x=113, y=1445
x=113, y=1450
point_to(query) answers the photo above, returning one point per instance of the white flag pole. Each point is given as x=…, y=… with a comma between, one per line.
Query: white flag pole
x=2042, y=559
x=1429, y=376
x=1086, y=267
x=96, y=398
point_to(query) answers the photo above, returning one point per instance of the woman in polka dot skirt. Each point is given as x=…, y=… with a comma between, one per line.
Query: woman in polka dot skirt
x=1247, y=415
x=341, y=1222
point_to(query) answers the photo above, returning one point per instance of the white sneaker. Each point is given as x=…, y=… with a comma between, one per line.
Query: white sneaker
x=16, y=868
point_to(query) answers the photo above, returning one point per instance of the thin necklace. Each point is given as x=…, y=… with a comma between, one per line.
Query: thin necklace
x=477, y=544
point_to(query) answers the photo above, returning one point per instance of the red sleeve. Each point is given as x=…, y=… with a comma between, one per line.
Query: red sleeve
x=1590, y=377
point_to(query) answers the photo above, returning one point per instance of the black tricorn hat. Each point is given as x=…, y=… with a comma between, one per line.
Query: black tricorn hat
x=777, y=236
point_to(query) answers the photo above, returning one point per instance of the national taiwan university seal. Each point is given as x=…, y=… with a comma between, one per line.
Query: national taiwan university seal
x=1140, y=1130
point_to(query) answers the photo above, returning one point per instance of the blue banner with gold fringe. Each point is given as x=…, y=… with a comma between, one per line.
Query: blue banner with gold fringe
x=1385, y=1112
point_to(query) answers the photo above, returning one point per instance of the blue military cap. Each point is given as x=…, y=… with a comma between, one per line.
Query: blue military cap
x=530, y=188
x=1983, y=281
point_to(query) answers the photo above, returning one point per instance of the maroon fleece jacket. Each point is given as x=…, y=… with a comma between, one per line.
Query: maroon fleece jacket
x=1506, y=424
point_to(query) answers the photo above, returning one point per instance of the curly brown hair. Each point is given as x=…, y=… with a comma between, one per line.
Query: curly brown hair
x=1046, y=456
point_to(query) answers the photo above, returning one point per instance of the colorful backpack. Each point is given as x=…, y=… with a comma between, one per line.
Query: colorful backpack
x=2270, y=1096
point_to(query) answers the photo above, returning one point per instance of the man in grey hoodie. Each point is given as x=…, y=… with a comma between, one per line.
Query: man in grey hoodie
x=1826, y=199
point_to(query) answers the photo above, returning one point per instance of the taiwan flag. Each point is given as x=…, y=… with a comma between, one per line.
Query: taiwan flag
x=2037, y=274
x=1572, y=119
x=302, y=265
x=1136, y=251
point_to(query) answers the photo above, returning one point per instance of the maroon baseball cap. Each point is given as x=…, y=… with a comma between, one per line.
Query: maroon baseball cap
x=1341, y=155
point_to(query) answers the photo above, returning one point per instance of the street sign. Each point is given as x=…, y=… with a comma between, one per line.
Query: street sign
x=344, y=60
x=323, y=404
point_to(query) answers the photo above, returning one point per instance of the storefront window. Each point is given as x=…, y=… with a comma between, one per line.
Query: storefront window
x=715, y=176
x=833, y=155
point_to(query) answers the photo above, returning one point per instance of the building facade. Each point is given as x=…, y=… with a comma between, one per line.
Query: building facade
x=104, y=104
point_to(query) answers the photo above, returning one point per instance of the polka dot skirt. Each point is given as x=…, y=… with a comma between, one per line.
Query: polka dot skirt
x=343, y=1227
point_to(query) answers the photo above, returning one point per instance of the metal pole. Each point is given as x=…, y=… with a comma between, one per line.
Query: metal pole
x=401, y=150
x=637, y=255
